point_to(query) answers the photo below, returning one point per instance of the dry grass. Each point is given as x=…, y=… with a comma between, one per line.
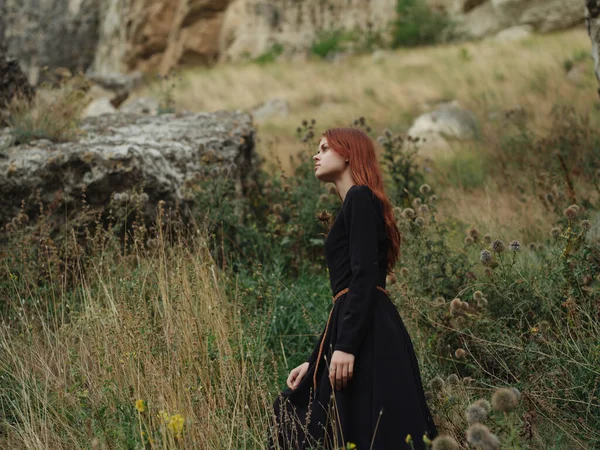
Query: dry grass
x=157, y=328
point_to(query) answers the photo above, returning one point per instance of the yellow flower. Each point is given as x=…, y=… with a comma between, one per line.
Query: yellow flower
x=176, y=424
x=162, y=414
x=350, y=446
x=408, y=438
x=534, y=330
x=140, y=406
x=426, y=439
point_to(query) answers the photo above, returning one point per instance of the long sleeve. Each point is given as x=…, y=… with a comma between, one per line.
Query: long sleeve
x=360, y=218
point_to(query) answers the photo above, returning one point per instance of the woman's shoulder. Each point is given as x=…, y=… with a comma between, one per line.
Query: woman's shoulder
x=361, y=194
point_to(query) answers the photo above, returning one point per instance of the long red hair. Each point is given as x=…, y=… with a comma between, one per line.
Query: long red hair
x=358, y=148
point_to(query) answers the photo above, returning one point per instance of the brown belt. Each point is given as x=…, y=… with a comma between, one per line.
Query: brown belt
x=335, y=297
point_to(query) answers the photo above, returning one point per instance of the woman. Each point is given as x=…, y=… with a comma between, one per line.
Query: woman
x=361, y=383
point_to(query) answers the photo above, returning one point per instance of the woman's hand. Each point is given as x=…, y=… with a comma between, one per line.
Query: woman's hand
x=341, y=369
x=296, y=375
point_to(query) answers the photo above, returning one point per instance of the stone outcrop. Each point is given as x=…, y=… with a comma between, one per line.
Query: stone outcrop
x=158, y=35
x=592, y=20
x=169, y=154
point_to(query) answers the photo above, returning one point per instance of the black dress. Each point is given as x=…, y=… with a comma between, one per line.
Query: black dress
x=384, y=401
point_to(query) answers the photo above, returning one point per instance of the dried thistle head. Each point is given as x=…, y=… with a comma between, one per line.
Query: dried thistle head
x=479, y=436
x=586, y=225
x=504, y=399
x=423, y=209
x=474, y=233
x=485, y=257
x=444, y=443
x=476, y=414
x=487, y=238
x=555, y=232
x=514, y=246
x=455, y=304
x=477, y=295
x=484, y=404
x=469, y=241
x=408, y=213
x=437, y=383
x=425, y=189
x=498, y=246
x=571, y=212
x=460, y=353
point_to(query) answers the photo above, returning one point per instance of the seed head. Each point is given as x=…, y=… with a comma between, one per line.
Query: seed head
x=517, y=392
x=433, y=198
x=425, y=189
x=277, y=208
x=404, y=271
x=453, y=379
x=504, y=399
x=455, y=304
x=444, y=443
x=460, y=353
x=423, y=209
x=484, y=404
x=417, y=202
x=469, y=240
x=479, y=436
x=476, y=414
x=397, y=211
x=498, y=246
x=477, y=295
x=465, y=306
x=437, y=383
x=487, y=238
x=485, y=257
x=419, y=221
x=482, y=302
x=391, y=279
x=555, y=232
x=571, y=212
x=474, y=233
x=408, y=213
x=440, y=301
x=515, y=246
x=586, y=225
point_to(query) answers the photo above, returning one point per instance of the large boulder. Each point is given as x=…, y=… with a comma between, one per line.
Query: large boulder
x=169, y=154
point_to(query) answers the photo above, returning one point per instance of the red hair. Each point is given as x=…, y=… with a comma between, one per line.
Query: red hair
x=358, y=148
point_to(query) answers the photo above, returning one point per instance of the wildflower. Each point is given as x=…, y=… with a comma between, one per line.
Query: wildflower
x=277, y=208
x=419, y=221
x=423, y=209
x=437, y=383
x=140, y=405
x=515, y=246
x=474, y=233
x=397, y=211
x=487, y=238
x=478, y=435
x=555, y=232
x=408, y=439
x=477, y=295
x=476, y=414
x=485, y=257
x=444, y=443
x=408, y=213
x=404, y=271
x=469, y=240
x=465, y=306
x=350, y=446
x=455, y=304
x=586, y=225
x=482, y=302
x=571, y=212
x=484, y=404
x=498, y=246
x=460, y=353
x=468, y=380
x=504, y=399
x=433, y=198
x=176, y=424
x=162, y=414
x=426, y=439
x=440, y=301
x=416, y=202
x=425, y=189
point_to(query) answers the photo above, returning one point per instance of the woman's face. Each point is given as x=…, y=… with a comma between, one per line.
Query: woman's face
x=329, y=165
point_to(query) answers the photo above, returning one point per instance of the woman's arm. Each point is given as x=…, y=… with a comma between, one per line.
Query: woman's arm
x=360, y=218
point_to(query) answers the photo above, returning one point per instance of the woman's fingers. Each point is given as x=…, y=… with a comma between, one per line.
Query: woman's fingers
x=291, y=378
x=345, y=376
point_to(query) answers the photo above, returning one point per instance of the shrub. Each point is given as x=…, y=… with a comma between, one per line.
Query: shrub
x=418, y=24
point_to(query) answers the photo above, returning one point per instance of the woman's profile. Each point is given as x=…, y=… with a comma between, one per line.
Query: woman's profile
x=361, y=384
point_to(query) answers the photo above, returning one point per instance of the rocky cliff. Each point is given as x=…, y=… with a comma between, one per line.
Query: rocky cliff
x=147, y=35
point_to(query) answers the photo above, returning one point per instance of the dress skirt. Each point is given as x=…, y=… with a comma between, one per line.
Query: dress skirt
x=383, y=402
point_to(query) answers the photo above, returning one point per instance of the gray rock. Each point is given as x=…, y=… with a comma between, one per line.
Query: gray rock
x=98, y=107
x=169, y=154
x=115, y=81
x=448, y=121
x=514, y=33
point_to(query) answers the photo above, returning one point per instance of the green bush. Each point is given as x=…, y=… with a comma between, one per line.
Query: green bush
x=417, y=24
